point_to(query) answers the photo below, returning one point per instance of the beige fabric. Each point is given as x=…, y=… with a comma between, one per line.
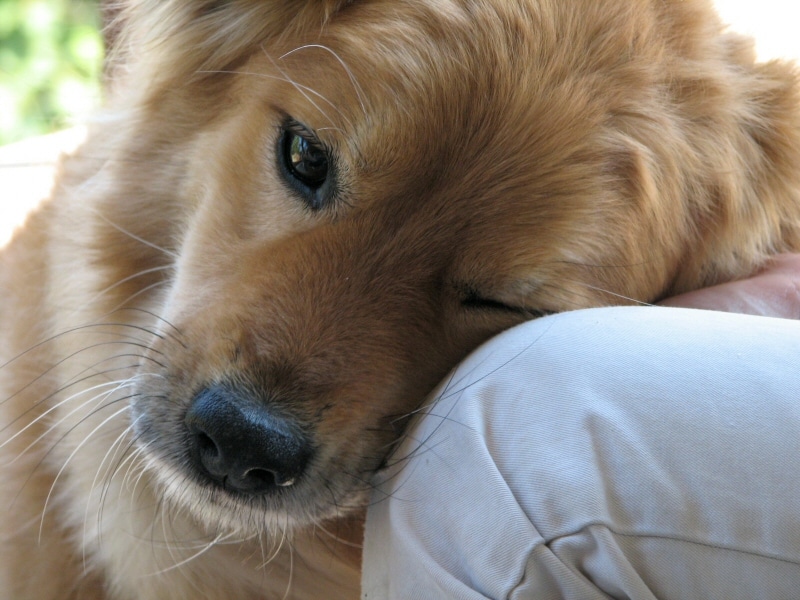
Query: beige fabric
x=625, y=453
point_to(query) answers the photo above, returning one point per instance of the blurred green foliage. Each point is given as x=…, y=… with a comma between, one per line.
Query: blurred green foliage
x=51, y=55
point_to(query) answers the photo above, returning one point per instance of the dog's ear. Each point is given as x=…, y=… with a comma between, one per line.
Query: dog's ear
x=747, y=192
x=714, y=177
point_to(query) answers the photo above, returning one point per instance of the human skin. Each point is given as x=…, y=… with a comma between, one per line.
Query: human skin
x=773, y=292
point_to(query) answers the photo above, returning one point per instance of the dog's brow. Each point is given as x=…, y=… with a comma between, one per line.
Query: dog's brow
x=353, y=81
x=303, y=89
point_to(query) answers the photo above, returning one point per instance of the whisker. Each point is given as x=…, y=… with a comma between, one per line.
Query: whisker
x=350, y=75
x=113, y=447
x=78, y=352
x=125, y=280
x=425, y=443
x=616, y=295
x=205, y=548
x=140, y=292
x=129, y=457
x=79, y=328
x=566, y=299
x=305, y=91
x=337, y=538
x=276, y=549
x=150, y=313
x=133, y=236
x=132, y=484
x=99, y=400
x=160, y=332
x=55, y=407
x=83, y=442
x=142, y=467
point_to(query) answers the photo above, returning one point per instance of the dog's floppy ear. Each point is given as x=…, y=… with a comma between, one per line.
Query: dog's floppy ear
x=748, y=190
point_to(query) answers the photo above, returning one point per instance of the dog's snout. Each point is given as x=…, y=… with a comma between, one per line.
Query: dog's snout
x=243, y=446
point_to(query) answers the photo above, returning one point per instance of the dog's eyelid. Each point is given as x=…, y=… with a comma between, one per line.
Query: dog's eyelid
x=472, y=299
x=308, y=134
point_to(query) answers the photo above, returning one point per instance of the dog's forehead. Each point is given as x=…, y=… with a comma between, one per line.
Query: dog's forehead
x=389, y=64
x=436, y=80
x=437, y=64
x=417, y=86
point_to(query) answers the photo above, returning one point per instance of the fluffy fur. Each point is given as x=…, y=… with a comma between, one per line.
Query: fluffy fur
x=493, y=161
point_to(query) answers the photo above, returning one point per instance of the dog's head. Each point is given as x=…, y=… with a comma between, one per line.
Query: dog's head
x=349, y=197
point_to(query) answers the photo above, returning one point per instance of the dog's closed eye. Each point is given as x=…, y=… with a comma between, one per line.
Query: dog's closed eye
x=472, y=299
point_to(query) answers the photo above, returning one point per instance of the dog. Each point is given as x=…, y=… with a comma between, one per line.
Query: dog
x=293, y=218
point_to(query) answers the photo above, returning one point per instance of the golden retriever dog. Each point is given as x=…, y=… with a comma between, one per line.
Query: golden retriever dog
x=294, y=217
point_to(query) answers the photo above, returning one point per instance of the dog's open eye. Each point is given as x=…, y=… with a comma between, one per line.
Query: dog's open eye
x=305, y=161
x=305, y=164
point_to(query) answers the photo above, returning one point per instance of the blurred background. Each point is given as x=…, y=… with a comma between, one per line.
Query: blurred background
x=51, y=54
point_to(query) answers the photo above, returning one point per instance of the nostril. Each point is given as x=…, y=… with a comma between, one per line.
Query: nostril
x=242, y=445
x=206, y=445
x=260, y=478
x=270, y=477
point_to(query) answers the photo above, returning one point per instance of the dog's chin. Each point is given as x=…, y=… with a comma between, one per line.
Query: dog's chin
x=229, y=513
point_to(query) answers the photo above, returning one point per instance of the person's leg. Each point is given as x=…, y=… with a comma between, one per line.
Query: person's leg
x=626, y=453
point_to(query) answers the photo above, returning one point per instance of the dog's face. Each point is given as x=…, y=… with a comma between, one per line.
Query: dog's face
x=356, y=199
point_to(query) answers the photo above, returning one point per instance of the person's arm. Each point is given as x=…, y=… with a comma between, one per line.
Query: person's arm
x=774, y=292
x=627, y=452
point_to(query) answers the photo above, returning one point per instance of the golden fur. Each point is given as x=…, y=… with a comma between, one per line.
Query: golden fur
x=493, y=160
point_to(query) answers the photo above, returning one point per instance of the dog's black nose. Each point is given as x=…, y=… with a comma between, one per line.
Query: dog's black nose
x=241, y=444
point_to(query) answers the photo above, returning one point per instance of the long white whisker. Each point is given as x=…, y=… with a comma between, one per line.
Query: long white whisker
x=97, y=399
x=113, y=447
x=141, y=465
x=78, y=329
x=133, y=463
x=291, y=570
x=138, y=293
x=621, y=296
x=205, y=548
x=275, y=550
x=336, y=538
x=77, y=376
x=124, y=280
x=346, y=68
x=304, y=91
x=133, y=236
x=69, y=459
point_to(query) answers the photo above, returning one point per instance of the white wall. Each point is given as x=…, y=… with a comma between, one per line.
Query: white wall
x=774, y=23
